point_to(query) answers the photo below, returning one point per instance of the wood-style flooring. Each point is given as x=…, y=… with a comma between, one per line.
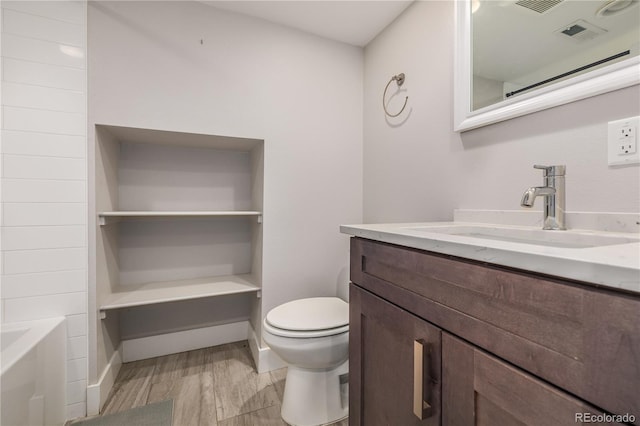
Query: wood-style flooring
x=215, y=386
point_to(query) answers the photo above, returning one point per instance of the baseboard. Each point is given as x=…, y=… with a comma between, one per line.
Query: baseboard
x=97, y=393
x=264, y=357
x=181, y=341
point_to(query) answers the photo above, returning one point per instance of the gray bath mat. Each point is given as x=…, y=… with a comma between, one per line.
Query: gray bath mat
x=157, y=414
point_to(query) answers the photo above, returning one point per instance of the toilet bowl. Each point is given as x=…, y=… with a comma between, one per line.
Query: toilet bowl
x=312, y=337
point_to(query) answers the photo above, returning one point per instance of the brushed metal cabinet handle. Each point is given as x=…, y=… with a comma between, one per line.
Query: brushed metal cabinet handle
x=421, y=408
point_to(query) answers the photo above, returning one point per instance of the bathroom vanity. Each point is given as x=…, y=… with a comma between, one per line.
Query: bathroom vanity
x=461, y=339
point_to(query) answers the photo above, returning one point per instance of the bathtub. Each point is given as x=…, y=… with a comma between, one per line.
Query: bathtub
x=33, y=378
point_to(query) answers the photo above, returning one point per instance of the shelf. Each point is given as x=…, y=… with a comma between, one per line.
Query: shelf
x=105, y=218
x=173, y=291
x=183, y=139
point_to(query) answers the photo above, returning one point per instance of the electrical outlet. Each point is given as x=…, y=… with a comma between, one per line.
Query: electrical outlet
x=626, y=147
x=623, y=141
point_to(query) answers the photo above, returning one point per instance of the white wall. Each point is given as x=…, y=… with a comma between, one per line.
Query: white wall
x=44, y=174
x=417, y=169
x=300, y=93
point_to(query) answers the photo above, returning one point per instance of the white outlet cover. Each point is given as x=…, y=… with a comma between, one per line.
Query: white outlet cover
x=615, y=139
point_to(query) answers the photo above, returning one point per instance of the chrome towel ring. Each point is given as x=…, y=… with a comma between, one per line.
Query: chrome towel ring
x=399, y=79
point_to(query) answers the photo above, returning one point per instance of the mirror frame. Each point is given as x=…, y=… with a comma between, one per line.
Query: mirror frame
x=613, y=77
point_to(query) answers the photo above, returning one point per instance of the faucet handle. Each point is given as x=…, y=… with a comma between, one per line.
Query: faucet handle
x=552, y=170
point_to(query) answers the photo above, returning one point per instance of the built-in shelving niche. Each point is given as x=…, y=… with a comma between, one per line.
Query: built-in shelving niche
x=179, y=219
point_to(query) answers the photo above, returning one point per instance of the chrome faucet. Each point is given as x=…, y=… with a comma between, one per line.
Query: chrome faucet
x=553, y=193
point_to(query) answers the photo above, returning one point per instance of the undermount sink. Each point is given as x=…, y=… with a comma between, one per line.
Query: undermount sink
x=561, y=239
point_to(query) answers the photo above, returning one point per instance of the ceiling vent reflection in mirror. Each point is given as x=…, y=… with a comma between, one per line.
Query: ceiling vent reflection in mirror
x=580, y=31
x=539, y=6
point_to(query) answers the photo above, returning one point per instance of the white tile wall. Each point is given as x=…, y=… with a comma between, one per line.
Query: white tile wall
x=43, y=191
x=43, y=237
x=76, y=325
x=30, y=167
x=33, y=50
x=25, y=214
x=46, y=121
x=73, y=12
x=29, y=261
x=44, y=174
x=30, y=96
x=43, y=144
x=46, y=75
x=76, y=369
x=77, y=348
x=39, y=307
x=42, y=283
x=77, y=410
x=42, y=28
x=76, y=391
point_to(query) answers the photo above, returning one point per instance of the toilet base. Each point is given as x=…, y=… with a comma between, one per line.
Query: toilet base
x=315, y=397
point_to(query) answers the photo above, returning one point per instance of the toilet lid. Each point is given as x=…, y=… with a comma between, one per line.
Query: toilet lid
x=316, y=313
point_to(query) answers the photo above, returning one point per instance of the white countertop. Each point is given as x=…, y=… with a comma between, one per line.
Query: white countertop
x=614, y=266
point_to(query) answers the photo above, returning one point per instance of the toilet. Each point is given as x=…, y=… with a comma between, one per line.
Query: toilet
x=312, y=337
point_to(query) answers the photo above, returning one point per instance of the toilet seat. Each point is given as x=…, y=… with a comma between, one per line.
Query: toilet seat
x=304, y=334
x=307, y=318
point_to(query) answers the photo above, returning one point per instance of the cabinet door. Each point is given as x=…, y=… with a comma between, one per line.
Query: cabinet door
x=479, y=389
x=394, y=365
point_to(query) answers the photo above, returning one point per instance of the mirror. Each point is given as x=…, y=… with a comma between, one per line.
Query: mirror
x=514, y=57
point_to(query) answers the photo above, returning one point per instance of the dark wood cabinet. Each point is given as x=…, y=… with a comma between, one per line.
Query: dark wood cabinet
x=396, y=365
x=503, y=347
x=479, y=389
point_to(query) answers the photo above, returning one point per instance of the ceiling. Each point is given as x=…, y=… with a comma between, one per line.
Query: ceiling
x=355, y=22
